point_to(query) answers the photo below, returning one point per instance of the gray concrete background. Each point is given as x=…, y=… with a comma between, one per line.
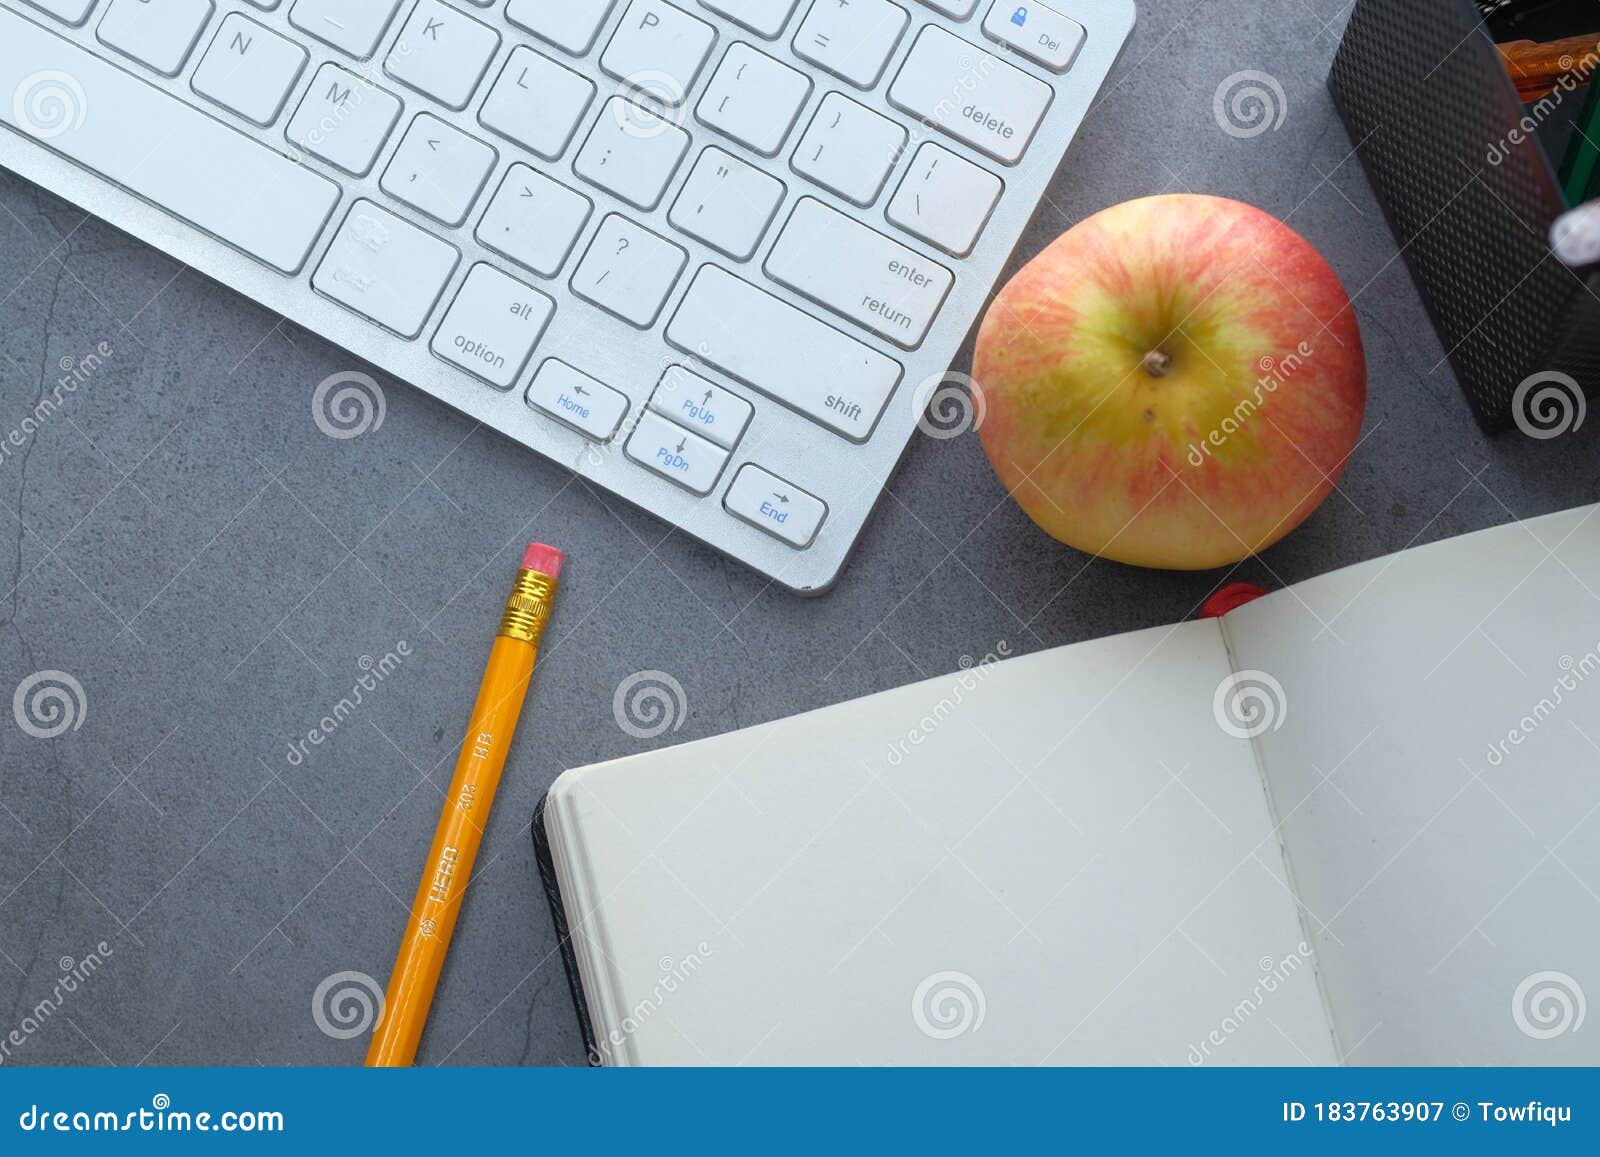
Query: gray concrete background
x=183, y=541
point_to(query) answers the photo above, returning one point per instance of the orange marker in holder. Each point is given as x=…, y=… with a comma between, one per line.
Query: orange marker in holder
x=466, y=809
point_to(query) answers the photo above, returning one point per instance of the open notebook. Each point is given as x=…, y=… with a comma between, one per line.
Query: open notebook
x=1355, y=821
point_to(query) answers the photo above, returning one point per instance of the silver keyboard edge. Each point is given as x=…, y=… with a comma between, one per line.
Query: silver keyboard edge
x=610, y=349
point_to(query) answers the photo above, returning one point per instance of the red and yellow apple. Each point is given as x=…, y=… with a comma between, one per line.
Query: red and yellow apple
x=1177, y=382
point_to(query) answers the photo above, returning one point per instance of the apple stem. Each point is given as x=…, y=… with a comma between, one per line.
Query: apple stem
x=1157, y=363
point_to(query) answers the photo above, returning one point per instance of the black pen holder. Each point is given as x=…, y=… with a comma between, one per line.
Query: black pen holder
x=1460, y=167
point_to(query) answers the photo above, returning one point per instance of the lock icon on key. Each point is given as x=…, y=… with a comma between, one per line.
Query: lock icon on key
x=1020, y=16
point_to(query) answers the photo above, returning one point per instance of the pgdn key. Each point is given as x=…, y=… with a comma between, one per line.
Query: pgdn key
x=859, y=273
x=675, y=453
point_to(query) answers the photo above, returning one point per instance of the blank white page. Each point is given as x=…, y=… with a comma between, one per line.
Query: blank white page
x=1058, y=859
x=1438, y=775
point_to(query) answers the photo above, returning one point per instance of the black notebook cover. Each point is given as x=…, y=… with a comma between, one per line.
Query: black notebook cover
x=558, y=915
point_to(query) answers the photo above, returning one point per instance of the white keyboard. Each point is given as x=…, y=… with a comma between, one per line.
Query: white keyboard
x=704, y=254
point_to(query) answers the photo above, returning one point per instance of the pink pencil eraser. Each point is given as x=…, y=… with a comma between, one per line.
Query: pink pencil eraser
x=546, y=560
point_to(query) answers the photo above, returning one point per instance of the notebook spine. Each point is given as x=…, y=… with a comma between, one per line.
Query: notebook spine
x=558, y=916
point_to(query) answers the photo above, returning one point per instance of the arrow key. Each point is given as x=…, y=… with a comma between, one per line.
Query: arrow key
x=676, y=454
x=589, y=407
x=769, y=503
x=702, y=406
x=438, y=169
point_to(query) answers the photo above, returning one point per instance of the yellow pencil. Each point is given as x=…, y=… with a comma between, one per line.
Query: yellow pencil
x=466, y=810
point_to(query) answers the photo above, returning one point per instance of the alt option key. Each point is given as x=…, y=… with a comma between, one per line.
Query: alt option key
x=492, y=326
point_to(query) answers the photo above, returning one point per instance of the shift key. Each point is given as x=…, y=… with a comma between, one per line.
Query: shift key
x=749, y=334
x=859, y=273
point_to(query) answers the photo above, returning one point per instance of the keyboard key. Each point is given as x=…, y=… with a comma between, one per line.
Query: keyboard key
x=960, y=9
x=763, y=17
x=852, y=40
x=753, y=336
x=533, y=220
x=537, y=103
x=158, y=33
x=970, y=94
x=590, y=407
x=945, y=200
x=629, y=271
x=571, y=25
x=1043, y=35
x=754, y=99
x=727, y=203
x=769, y=503
x=492, y=326
x=701, y=406
x=438, y=169
x=849, y=149
x=674, y=453
x=632, y=152
x=73, y=12
x=351, y=26
x=442, y=53
x=249, y=69
x=859, y=273
x=385, y=269
x=343, y=119
x=659, y=50
x=196, y=168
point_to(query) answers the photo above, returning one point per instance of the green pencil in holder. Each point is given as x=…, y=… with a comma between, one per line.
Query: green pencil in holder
x=1580, y=169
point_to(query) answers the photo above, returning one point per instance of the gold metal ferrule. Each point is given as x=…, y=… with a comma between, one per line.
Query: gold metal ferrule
x=528, y=607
